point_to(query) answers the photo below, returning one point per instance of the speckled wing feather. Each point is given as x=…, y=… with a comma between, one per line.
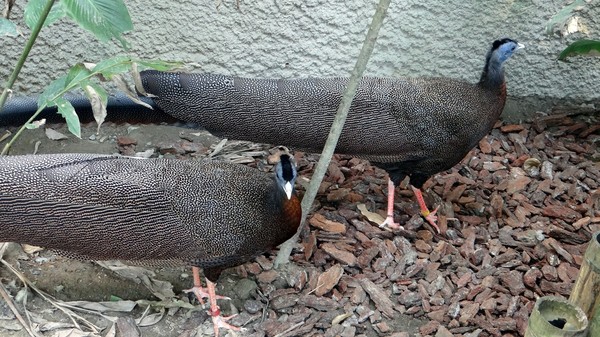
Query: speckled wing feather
x=208, y=214
x=390, y=120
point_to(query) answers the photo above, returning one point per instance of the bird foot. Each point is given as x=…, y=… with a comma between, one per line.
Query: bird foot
x=221, y=322
x=201, y=293
x=432, y=218
x=389, y=222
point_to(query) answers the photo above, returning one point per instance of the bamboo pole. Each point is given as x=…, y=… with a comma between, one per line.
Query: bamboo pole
x=586, y=292
x=556, y=317
x=595, y=324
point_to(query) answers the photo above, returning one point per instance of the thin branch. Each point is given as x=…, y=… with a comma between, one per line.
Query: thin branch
x=34, y=34
x=336, y=129
x=15, y=311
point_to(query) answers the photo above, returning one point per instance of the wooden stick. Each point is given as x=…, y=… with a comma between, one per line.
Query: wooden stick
x=586, y=292
x=556, y=317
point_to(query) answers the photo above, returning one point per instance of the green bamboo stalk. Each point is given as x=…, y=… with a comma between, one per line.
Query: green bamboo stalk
x=556, y=317
x=586, y=291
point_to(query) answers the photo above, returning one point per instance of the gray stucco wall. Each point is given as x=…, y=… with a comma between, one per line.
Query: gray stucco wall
x=299, y=38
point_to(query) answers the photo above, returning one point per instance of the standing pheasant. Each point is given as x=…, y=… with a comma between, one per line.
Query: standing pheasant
x=410, y=127
x=209, y=215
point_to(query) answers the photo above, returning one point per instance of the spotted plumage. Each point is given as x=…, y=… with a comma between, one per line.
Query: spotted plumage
x=206, y=214
x=412, y=126
x=211, y=215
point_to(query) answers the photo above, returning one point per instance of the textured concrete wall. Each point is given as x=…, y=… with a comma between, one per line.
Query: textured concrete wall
x=297, y=38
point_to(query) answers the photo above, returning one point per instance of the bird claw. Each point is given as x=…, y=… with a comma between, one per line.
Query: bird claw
x=221, y=322
x=432, y=218
x=201, y=293
x=389, y=222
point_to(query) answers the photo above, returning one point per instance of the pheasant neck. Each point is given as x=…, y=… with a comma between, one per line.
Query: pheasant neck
x=492, y=76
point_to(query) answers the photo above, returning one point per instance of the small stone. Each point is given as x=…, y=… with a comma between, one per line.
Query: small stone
x=253, y=306
x=126, y=141
x=244, y=288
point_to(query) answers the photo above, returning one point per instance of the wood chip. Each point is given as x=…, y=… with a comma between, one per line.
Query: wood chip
x=329, y=279
x=379, y=297
x=319, y=221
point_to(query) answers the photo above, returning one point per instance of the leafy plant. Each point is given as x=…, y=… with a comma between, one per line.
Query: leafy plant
x=561, y=20
x=581, y=47
x=107, y=20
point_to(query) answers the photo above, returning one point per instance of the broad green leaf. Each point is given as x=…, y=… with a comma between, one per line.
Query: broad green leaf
x=160, y=65
x=8, y=28
x=68, y=112
x=581, y=47
x=33, y=10
x=98, y=99
x=76, y=74
x=561, y=17
x=113, y=66
x=54, y=89
x=106, y=19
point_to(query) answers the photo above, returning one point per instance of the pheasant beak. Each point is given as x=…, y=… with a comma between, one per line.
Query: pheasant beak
x=288, y=189
x=520, y=46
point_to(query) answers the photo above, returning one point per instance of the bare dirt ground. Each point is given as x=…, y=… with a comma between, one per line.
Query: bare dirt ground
x=516, y=217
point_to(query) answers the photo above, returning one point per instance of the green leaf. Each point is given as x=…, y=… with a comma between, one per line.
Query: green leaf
x=581, y=47
x=54, y=89
x=34, y=9
x=68, y=112
x=113, y=66
x=106, y=19
x=8, y=28
x=563, y=15
x=76, y=74
x=114, y=298
x=159, y=64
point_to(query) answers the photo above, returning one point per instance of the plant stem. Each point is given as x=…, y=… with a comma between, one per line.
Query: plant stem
x=336, y=129
x=67, y=88
x=34, y=34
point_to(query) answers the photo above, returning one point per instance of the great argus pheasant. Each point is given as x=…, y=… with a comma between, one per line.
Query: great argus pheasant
x=210, y=215
x=412, y=127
